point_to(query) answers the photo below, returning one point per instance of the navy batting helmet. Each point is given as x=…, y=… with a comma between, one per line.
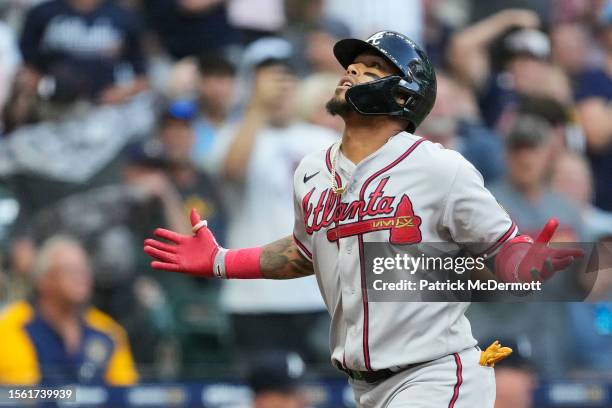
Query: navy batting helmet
x=416, y=85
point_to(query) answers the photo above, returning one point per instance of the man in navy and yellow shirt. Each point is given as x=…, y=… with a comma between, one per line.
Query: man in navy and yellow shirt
x=55, y=337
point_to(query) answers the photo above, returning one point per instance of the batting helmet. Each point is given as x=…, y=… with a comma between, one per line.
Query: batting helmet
x=417, y=83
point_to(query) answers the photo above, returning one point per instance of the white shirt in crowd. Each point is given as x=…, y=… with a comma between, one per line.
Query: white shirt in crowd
x=260, y=211
x=365, y=17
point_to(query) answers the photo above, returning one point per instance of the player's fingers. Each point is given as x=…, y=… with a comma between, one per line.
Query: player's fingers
x=161, y=255
x=553, y=265
x=562, y=253
x=198, y=225
x=165, y=266
x=548, y=231
x=562, y=263
x=160, y=245
x=169, y=235
x=194, y=217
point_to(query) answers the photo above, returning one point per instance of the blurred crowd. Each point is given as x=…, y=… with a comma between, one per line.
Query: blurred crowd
x=118, y=116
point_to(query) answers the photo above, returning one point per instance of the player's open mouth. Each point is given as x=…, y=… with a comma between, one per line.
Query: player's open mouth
x=345, y=82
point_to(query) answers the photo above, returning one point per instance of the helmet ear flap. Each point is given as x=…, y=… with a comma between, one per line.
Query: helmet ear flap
x=404, y=96
x=407, y=100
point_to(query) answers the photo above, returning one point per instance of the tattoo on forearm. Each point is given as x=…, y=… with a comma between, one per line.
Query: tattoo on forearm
x=283, y=260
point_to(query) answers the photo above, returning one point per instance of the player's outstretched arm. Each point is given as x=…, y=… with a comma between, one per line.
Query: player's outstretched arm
x=201, y=255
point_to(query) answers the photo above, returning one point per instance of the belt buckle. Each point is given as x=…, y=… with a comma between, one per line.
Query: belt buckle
x=357, y=375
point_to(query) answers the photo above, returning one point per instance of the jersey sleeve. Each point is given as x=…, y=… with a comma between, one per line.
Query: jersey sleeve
x=301, y=238
x=473, y=217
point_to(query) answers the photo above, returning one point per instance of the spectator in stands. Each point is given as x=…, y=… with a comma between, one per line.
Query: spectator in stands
x=319, y=44
x=215, y=89
x=593, y=95
x=84, y=49
x=454, y=122
x=572, y=178
x=518, y=65
x=196, y=189
x=275, y=378
x=257, y=156
x=146, y=173
x=571, y=47
x=567, y=135
x=525, y=193
x=191, y=27
x=55, y=337
x=436, y=32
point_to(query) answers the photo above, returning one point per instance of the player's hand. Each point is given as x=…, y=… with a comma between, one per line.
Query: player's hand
x=520, y=18
x=541, y=262
x=194, y=255
x=272, y=85
x=538, y=261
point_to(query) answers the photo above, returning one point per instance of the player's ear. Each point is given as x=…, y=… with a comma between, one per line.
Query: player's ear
x=401, y=99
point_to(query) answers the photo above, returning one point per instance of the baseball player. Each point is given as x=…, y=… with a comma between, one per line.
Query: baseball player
x=395, y=354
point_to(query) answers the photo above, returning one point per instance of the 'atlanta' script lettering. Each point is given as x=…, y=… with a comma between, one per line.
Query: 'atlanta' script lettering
x=329, y=209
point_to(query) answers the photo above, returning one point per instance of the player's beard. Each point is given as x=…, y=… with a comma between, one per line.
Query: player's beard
x=338, y=106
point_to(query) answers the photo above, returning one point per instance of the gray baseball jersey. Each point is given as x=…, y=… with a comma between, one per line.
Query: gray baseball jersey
x=444, y=196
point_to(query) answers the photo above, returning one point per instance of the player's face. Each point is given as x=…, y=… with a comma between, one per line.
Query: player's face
x=368, y=66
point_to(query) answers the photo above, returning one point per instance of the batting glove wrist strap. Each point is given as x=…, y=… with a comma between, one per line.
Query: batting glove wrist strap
x=243, y=263
x=219, y=263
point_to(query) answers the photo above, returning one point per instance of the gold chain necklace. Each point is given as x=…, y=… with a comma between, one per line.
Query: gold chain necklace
x=340, y=190
x=336, y=190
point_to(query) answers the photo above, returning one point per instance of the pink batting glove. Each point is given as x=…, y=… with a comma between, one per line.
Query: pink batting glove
x=193, y=255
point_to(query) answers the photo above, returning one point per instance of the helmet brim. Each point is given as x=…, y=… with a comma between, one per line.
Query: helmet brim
x=348, y=49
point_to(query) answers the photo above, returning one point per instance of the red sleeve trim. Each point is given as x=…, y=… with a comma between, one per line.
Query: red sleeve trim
x=509, y=234
x=302, y=248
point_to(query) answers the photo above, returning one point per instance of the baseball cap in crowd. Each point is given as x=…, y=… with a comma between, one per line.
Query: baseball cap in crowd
x=182, y=109
x=275, y=371
x=266, y=51
x=528, y=42
x=148, y=153
x=528, y=131
x=335, y=28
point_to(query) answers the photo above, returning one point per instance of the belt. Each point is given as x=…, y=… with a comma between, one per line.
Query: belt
x=375, y=376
